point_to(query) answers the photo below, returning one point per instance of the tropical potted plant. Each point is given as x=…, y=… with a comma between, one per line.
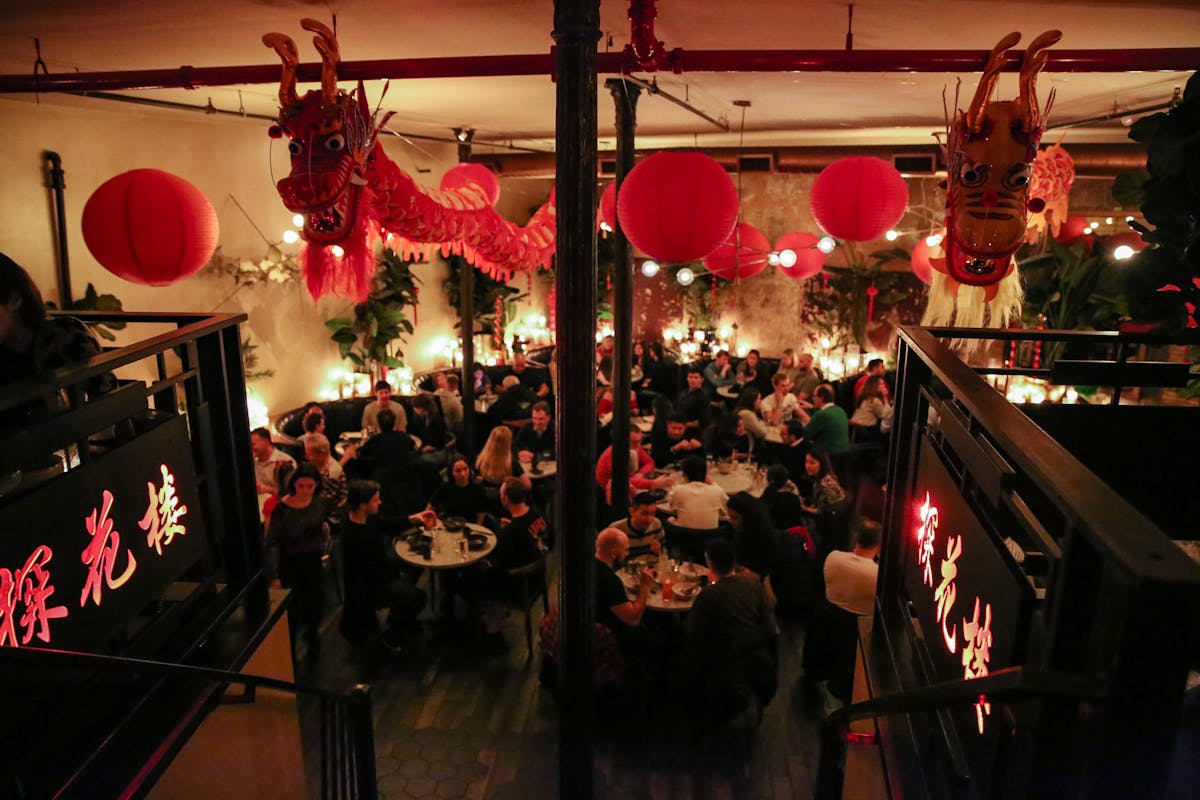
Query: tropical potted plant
x=372, y=338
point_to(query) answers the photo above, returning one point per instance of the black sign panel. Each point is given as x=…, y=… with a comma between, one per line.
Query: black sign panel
x=84, y=553
x=968, y=594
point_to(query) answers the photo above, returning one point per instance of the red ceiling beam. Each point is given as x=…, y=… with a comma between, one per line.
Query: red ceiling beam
x=1178, y=59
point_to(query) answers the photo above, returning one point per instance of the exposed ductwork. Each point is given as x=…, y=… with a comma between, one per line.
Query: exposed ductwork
x=1090, y=159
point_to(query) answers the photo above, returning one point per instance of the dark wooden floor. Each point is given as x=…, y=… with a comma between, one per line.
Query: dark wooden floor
x=454, y=720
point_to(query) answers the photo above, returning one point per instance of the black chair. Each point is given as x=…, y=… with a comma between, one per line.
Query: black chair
x=690, y=542
x=532, y=580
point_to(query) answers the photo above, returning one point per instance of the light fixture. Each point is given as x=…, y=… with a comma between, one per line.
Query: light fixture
x=1126, y=120
x=685, y=277
x=787, y=258
x=1108, y=220
x=892, y=236
x=337, y=250
x=298, y=221
x=933, y=240
x=826, y=244
x=604, y=226
x=649, y=268
x=773, y=259
x=291, y=237
x=1123, y=252
x=1094, y=224
x=1129, y=219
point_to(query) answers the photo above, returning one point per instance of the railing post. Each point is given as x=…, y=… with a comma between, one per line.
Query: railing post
x=362, y=731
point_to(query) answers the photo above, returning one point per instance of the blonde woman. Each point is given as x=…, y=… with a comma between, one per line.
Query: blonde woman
x=497, y=461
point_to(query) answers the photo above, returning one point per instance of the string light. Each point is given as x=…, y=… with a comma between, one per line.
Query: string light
x=649, y=268
x=787, y=258
x=1123, y=252
x=685, y=277
x=826, y=244
x=933, y=240
x=337, y=250
x=291, y=237
x=773, y=259
x=298, y=221
x=892, y=236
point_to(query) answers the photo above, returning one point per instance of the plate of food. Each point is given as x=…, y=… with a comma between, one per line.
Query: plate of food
x=685, y=591
x=690, y=570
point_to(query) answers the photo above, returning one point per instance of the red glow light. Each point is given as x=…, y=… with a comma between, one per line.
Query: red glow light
x=101, y=553
x=161, y=520
x=29, y=586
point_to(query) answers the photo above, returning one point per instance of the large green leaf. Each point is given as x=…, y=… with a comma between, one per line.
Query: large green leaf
x=337, y=323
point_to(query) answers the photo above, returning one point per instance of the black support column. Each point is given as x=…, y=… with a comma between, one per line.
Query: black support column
x=576, y=32
x=625, y=96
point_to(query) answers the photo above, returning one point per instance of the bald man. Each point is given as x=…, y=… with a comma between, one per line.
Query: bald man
x=613, y=606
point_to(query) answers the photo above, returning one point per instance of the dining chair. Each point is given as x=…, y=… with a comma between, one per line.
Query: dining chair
x=532, y=579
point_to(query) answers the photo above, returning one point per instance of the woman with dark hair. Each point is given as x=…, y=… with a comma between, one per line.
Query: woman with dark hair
x=461, y=495
x=782, y=499
x=33, y=344
x=871, y=410
x=820, y=490
x=748, y=404
x=727, y=438
x=297, y=539
x=755, y=538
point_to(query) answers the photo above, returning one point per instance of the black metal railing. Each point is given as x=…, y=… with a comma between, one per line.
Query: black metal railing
x=347, y=728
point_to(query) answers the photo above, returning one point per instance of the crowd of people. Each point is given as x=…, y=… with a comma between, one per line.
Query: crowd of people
x=785, y=421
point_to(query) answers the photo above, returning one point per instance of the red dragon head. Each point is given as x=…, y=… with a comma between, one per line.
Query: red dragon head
x=990, y=152
x=332, y=138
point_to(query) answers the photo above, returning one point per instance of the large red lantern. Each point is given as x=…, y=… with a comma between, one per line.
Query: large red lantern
x=148, y=226
x=856, y=199
x=462, y=175
x=608, y=206
x=677, y=206
x=921, y=266
x=808, y=259
x=743, y=255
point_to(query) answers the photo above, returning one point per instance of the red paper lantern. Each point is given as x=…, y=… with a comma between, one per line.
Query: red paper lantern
x=742, y=255
x=809, y=260
x=462, y=175
x=608, y=205
x=148, y=226
x=856, y=199
x=677, y=206
x=1071, y=231
x=920, y=261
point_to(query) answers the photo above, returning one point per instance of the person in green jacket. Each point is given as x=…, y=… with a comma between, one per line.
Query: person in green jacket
x=827, y=429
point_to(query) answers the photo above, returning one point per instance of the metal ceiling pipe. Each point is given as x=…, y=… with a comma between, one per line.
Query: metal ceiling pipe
x=1176, y=59
x=1090, y=159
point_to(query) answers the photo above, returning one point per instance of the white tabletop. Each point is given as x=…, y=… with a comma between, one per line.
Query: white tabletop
x=687, y=576
x=731, y=392
x=740, y=478
x=444, y=553
x=547, y=469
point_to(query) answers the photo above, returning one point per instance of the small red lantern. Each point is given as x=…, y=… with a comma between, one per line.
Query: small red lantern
x=809, y=260
x=1071, y=231
x=677, y=206
x=608, y=206
x=743, y=255
x=858, y=198
x=150, y=227
x=920, y=261
x=462, y=175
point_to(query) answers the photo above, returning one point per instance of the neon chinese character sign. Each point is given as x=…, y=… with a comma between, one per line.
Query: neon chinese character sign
x=161, y=520
x=28, y=590
x=101, y=553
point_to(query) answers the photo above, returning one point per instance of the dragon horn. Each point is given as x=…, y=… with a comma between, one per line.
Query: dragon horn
x=987, y=83
x=327, y=46
x=290, y=56
x=1031, y=65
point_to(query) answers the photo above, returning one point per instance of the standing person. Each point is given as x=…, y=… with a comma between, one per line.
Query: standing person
x=755, y=538
x=297, y=538
x=383, y=402
x=827, y=429
x=850, y=577
x=447, y=394
x=729, y=653
x=692, y=402
x=719, y=373
x=806, y=379
x=782, y=499
x=371, y=574
x=698, y=503
x=651, y=384
x=781, y=405
x=642, y=526
x=333, y=481
x=266, y=461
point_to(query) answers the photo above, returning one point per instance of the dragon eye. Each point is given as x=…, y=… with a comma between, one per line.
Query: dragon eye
x=335, y=143
x=295, y=147
x=1017, y=177
x=973, y=174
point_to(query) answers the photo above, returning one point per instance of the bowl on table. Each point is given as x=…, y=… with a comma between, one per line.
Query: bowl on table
x=476, y=541
x=685, y=591
x=724, y=467
x=454, y=524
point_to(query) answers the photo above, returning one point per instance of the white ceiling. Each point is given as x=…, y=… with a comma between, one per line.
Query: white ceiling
x=786, y=108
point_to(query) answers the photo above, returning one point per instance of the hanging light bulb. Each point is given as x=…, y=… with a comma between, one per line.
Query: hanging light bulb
x=337, y=250
x=787, y=258
x=685, y=277
x=826, y=244
x=298, y=221
x=1123, y=252
x=933, y=240
x=604, y=226
x=1108, y=220
x=892, y=236
x=773, y=259
x=649, y=268
x=291, y=237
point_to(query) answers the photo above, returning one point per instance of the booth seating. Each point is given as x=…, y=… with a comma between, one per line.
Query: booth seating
x=341, y=416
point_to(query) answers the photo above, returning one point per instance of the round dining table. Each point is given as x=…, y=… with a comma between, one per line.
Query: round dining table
x=445, y=553
x=689, y=577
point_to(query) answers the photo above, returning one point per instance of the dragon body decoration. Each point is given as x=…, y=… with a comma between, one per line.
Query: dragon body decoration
x=990, y=152
x=350, y=192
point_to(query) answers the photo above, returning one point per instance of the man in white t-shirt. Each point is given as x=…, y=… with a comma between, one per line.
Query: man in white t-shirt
x=266, y=461
x=698, y=503
x=850, y=577
x=779, y=406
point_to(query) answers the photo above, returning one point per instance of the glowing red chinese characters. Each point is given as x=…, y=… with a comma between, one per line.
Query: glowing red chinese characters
x=30, y=588
x=161, y=521
x=946, y=592
x=976, y=654
x=925, y=535
x=101, y=553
